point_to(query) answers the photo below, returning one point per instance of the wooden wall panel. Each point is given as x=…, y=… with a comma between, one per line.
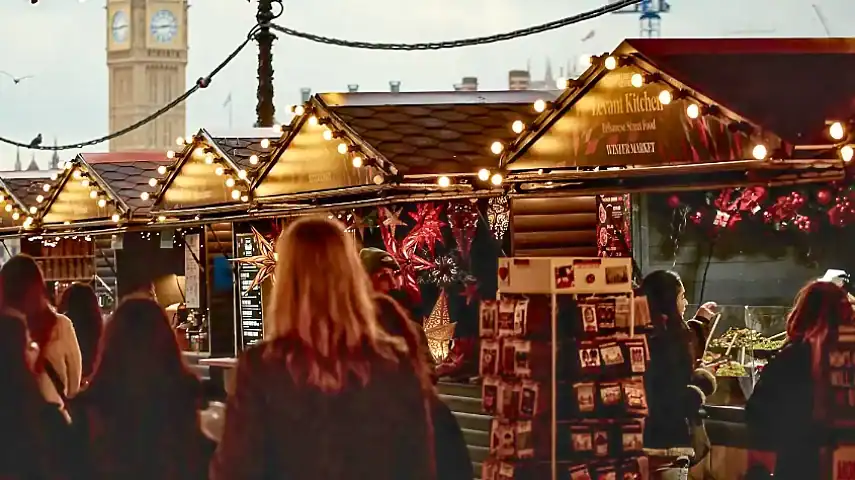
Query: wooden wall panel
x=554, y=227
x=105, y=265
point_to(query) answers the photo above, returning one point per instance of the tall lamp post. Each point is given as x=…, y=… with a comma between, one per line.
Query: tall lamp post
x=265, y=110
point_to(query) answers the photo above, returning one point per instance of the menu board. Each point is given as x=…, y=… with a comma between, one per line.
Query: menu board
x=613, y=226
x=249, y=302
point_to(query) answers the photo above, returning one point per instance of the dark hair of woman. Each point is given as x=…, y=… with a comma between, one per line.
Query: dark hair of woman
x=80, y=304
x=24, y=290
x=662, y=289
x=20, y=403
x=139, y=359
x=819, y=309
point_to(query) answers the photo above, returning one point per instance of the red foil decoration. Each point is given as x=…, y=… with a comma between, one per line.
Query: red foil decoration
x=463, y=219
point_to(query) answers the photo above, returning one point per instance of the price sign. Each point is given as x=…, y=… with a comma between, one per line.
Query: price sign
x=250, y=302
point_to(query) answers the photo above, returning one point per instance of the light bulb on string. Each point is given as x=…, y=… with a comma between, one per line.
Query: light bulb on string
x=356, y=161
x=40, y=198
x=179, y=141
x=93, y=194
x=144, y=195
x=235, y=194
x=230, y=182
x=327, y=134
x=33, y=210
x=16, y=216
x=443, y=181
x=342, y=148
x=759, y=151
x=77, y=175
x=242, y=174
x=244, y=198
x=610, y=63
x=219, y=171
x=8, y=207
x=161, y=218
x=209, y=158
x=586, y=61
x=265, y=143
x=115, y=218
x=665, y=97
x=152, y=182
x=253, y=159
x=846, y=153
x=161, y=170
x=483, y=174
x=497, y=148
x=46, y=187
x=170, y=154
x=496, y=179
x=836, y=131
x=53, y=177
x=539, y=105
x=299, y=110
x=518, y=126
x=313, y=121
x=102, y=202
x=636, y=80
x=85, y=182
x=693, y=110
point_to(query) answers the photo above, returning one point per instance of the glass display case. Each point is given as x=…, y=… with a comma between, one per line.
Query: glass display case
x=742, y=340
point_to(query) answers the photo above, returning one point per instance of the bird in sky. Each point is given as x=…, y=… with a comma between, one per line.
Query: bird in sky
x=15, y=80
x=36, y=141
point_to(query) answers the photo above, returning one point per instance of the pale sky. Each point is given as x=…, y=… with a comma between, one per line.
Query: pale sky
x=63, y=44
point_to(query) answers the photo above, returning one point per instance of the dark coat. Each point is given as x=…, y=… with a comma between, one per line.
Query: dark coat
x=779, y=414
x=277, y=429
x=674, y=355
x=452, y=455
x=162, y=440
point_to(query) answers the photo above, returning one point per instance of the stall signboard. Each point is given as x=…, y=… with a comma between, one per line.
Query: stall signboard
x=841, y=378
x=192, y=277
x=249, y=302
x=614, y=123
x=614, y=236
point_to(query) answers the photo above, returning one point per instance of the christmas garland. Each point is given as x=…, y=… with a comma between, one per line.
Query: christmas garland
x=805, y=209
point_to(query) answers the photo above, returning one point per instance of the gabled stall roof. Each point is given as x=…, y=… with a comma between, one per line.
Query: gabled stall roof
x=435, y=133
x=22, y=190
x=667, y=108
x=103, y=189
x=212, y=172
x=349, y=145
x=790, y=86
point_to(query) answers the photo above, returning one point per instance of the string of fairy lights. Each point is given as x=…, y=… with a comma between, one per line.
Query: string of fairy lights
x=317, y=119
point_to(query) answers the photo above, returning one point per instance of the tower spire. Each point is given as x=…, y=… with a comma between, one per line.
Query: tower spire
x=18, y=166
x=54, y=159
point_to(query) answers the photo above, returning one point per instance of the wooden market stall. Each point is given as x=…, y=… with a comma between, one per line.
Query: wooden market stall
x=680, y=115
x=206, y=187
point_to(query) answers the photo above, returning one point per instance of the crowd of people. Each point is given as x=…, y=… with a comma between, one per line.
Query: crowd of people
x=342, y=386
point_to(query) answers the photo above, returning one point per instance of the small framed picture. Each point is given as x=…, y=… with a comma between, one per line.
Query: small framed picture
x=637, y=360
x=585, y=400
x=610, y=394
x=589, y=318
x=617, y=275
x=589, y=358
x=612, y=354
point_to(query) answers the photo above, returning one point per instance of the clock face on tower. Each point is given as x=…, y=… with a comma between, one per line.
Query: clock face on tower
x=119, y=27
x=164, y=26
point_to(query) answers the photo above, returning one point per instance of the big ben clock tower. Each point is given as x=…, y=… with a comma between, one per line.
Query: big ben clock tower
x=147, y=59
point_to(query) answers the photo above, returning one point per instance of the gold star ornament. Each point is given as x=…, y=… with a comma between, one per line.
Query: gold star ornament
x=265, y=261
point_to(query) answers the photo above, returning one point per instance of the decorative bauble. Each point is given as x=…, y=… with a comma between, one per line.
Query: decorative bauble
x=823, y=197
x=674, y=201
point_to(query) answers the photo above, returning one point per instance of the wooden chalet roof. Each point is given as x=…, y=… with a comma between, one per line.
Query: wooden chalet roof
x=128, y=175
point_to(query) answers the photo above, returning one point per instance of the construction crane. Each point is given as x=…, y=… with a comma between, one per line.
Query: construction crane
x=650, y=15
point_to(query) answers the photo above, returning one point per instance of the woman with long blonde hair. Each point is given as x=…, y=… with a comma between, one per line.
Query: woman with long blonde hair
x=329, y=394
x=786, y=413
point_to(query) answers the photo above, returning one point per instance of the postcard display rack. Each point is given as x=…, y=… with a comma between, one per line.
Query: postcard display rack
x=562, y=362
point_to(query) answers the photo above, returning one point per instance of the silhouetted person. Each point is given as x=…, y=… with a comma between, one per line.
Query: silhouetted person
x=80, y=304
